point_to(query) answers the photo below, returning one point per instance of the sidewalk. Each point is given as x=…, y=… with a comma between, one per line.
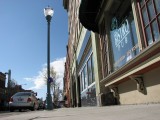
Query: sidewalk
x=126, y=112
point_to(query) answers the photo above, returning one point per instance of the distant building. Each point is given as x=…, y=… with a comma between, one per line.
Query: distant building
x=114, y=52
x=66, y=87
x=2, y=90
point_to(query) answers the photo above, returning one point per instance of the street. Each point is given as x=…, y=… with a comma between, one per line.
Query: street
x=126, y=112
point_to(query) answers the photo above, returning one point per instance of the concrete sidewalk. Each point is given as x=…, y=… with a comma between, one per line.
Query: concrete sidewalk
x=126, y=112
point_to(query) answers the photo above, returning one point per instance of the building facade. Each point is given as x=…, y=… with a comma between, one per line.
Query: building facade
x=2, y=90
x=115, y=53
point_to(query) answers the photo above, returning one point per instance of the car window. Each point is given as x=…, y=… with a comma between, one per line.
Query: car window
x=23, y=94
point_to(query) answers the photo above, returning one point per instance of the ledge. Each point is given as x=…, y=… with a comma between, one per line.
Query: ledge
x=146, y=60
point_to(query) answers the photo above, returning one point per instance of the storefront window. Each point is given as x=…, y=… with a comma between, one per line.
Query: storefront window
x=123, y=41
x=82, y=81
x=88, y=97
x=89, y=72
x=93, y=77
x=88, y=91
x=85, y=77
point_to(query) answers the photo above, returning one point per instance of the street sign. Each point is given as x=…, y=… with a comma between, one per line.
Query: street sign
x=50, y=79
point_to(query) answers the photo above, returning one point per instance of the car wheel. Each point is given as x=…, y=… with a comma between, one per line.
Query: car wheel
x=20, y=110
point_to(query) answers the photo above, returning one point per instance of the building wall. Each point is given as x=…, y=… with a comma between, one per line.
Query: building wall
x=121, y=50
x=85, y=71
x=130, y=95
x=74, y=30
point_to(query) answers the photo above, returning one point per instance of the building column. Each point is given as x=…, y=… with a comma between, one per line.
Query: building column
x=97, y=64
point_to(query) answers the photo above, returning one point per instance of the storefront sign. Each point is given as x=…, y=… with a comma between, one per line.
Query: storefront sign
x=124, y=42
x=120, y=35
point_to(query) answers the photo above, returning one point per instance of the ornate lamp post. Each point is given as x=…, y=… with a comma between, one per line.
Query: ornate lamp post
x=48, y=12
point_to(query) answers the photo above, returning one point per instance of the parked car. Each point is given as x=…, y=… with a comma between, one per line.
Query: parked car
x=23, y=100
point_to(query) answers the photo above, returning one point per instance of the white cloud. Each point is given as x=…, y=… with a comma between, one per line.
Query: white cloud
x=38, y=81
x=28, y=79
x=59, y=68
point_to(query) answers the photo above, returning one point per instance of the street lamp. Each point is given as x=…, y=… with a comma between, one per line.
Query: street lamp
x=48, y=12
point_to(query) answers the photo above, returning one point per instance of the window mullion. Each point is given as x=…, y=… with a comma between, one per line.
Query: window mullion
x=141, y=19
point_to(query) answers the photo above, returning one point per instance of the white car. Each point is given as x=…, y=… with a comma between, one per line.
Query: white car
x=23, y=100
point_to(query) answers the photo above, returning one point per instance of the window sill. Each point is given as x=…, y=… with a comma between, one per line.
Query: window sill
x=146, y=60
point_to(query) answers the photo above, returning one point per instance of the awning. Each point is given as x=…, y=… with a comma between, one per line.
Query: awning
x=88, y=12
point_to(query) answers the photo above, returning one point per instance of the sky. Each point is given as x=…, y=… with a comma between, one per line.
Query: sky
x=23, y=41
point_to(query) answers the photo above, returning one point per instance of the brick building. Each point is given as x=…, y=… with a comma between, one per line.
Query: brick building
x=2, y=90
x=114, y=51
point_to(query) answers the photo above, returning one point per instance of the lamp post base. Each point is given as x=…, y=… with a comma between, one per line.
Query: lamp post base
x=49, y=102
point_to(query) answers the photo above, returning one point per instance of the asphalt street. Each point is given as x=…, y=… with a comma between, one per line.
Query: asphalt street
x=123, y=112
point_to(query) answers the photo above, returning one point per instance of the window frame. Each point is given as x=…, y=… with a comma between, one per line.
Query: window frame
x=150, y=21
x=104, y=49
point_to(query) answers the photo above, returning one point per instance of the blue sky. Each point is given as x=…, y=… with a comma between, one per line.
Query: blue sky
x=23, y=40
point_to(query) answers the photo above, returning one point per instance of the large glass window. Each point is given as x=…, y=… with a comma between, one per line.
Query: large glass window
x=89, y=71
x=123, y=40
x=92, y=63
x=150, y=12
x=88, y=91
x=82, y=81
x=85, y=77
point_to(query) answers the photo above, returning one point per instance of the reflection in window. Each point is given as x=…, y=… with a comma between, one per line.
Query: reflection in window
x=155, y=30
x=145, y=18
x=88, y=91
x=85, y=77
x=157, y=3
x=89, y=72
x=93, y=77
x=148, y=35
x=88, y=97
x=151, y=10
x=82, y=81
